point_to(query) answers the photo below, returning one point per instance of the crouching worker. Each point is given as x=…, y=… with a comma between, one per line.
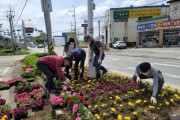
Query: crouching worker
x=50, y=65
x=78, y=55
x=146, y=70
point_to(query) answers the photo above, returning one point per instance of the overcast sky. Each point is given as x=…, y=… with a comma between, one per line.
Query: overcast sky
x=60, y=17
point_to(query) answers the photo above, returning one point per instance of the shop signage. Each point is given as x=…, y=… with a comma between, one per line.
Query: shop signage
x=135, y=13
x=148, y=26
x=171, y=23
x=144, y=12
x=120, y=14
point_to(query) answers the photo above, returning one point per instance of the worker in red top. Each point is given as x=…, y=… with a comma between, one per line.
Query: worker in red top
x=50, y=65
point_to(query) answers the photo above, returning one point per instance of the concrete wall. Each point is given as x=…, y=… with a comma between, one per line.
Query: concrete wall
x=175, y=10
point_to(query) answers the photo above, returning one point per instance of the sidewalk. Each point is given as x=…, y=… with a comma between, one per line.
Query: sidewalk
x=163, y=53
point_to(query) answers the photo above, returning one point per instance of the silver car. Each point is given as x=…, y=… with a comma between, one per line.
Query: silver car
x=119, y=44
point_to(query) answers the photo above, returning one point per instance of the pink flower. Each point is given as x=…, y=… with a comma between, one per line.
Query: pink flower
x=78, y=118
x=75, y=108
x=89, y=115
x=65, y=87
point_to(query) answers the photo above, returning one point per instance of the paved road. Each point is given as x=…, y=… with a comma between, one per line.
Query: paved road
x=125, y=61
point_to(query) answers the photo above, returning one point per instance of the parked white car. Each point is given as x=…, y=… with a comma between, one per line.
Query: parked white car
x=119, y=44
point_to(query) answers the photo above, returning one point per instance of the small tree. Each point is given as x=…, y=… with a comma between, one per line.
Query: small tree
x=38, y=38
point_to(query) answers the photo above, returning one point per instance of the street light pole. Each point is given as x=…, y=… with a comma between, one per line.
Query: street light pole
x=90, y=32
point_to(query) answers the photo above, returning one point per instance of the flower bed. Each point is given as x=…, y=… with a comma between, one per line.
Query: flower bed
x=5, y=111
x=4, y=85
x=118, y=97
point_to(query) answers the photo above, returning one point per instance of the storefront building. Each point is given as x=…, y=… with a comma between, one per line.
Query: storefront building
x=162, y=31
x=121, y=23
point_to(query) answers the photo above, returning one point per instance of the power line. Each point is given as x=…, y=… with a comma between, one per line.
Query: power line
x=21, y=12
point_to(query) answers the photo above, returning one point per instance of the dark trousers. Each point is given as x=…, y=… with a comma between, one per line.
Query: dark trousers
x=97, y=66
x=160, y=80
x=82, y=60
x=50, y=74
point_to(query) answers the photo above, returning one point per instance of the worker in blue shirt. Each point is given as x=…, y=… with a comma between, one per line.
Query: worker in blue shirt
x=78, y=55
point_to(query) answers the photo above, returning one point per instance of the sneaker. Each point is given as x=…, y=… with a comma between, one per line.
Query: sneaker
x=52, y=91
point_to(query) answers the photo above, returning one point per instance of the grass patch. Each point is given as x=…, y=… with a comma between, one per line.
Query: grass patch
x=7, y=52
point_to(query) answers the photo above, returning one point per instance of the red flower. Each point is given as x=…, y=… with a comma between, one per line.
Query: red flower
x=81, y=98
x=70, y=101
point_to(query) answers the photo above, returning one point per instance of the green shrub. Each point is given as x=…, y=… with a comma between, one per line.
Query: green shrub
x=31, y=60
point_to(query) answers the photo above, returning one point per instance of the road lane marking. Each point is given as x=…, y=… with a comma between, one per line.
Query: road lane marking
x=5, y=71
x=172, y=63
x=114, y=59
x=171, y=75
x=167, y=65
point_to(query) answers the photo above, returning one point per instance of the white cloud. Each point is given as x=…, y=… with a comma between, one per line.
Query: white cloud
x=110, y=2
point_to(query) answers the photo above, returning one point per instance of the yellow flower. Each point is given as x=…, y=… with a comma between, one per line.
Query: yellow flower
x=167, y=103
x=103, y=105
x=89, y=106
x=130, y=104
x=176, y=89
x=138, y=101
x=145, y=101
x=158, y=108
x=127, y=118
x=143, y=89
x=97, y=116
x=89, y=81
x=171, y=100
x=135, y=113
x=137, y=91
x=104, y=114
x=121, y=105
x=144, y=110
x=117, y=97
x=114, y=102
x=110, y=97
x=120, y=117
x=113, y=109
x=151, y=107
x=5, y=117
x=96, y=106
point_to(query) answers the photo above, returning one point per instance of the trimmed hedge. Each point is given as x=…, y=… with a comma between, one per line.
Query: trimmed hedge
x=31, y=60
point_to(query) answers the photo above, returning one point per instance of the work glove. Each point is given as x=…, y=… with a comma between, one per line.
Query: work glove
x=99, y=61
x=63, y=53
x=153, y=100
x=67, y=81
x=80, y=71
x=138, y=80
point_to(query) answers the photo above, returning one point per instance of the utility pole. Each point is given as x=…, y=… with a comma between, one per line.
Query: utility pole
x=99, y=29
x=75, y=29
x=24, y=34
x=46, y=9
x=11, y=16
x=90, y=32
x=75, y=25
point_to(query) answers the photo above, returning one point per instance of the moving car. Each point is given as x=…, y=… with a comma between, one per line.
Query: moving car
x=119, y=44
x=32, y=46
x=40, y=46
